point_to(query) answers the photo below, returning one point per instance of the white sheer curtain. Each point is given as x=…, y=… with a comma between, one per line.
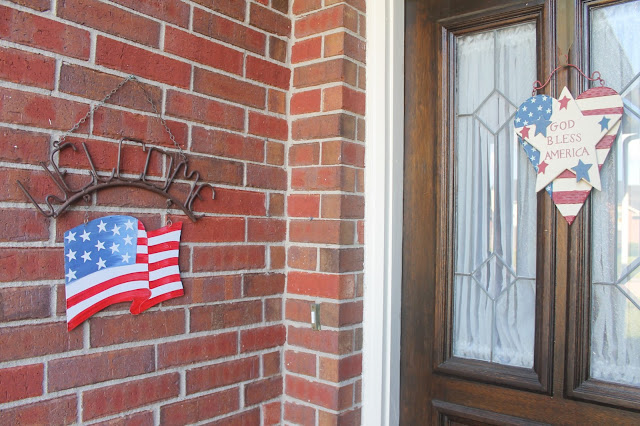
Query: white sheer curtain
x=495, y=249
x=615, y=257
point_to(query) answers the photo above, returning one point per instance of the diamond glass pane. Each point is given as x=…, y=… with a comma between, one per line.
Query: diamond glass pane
x=615, y=241
x=495, y=225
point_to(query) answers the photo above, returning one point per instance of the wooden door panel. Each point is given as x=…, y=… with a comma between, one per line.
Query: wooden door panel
x=435, y=386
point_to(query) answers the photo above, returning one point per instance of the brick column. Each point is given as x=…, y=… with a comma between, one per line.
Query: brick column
x=325, y=207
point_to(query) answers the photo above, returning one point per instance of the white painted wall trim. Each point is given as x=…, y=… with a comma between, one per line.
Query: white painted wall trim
x=383, y=212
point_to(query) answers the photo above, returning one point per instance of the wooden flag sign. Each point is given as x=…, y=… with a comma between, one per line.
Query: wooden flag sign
x=567, y=140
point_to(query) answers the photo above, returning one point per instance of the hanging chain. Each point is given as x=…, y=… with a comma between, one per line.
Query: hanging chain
x=106, y=99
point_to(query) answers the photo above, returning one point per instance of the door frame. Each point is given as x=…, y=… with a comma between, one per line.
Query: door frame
x=384, y=173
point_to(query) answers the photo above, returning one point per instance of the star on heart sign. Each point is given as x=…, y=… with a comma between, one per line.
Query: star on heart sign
x=567, y=141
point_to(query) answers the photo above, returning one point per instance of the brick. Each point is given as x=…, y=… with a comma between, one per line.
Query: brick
x=321, y=231
x=349, y=418
x=303, y=258
x=268, y=230
x=235, y=9
x=233, y=201
x=204, y=110
x=303, y=205
x=275, y=153
x=135, y=419
x=259, y=285
x=27, y=68
x=266, y=177
x=222, y=374
x=129, y=197
x=316, y=393
x=338, y=370
x=61, y=410
x=360, y=130
x=306, y=102
x=223, y=29
x=27, y=341
x=91, y=84
x=19, y=225
x=276, y=204
x=110, y=19
x=327, y=19
x=268, y=73
x=321, y=285
x=360, y=180
x=197, y=409
x=357, y=392
x=208, y=289
x=226, y=315
x=21, y=382
x=328, y=178
x=273, y=310
x=278, y=257
x=38, y=183
x=271, y=363
x=330, y=71
x=281, y=6
x=20, y=303
x=172, y=11
x=360, y=228
x=31, y=109
x=277, y=101
x=40, y=5
x=277, y=49
x=23, y=146
x=215, y=230
x=229, y=88
x=300, y=362
x=296, y=413
x=268, y=20
x=36, y=31
x=324, y=126
x=342, y=206
x=126, y=396
x=118, y=124
x=203, y=51
x=327, y=341
x=88, y=369
x=245, y=418
x=257, y=339
x=214, y=170
x=298, y=310
x=341, y=260
x=345, y=44
x=268, y=126
x=343, y=98
x=361, y=5
x=126, y=328
x=228, y=258
x=30, y=264
x=272, y=413
x=362, y=26
x=306, y=50
x=134, y=60
x=305, y=154
x=197, y=349
x=342, y=152
x=262, y=390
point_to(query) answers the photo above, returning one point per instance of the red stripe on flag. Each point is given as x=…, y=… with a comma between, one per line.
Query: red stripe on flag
x=172, y=261
x=169, y=245
x=165, y=230
x=597, y=92
x=570, y=197
x=606, y=142
x=603, y=111
x=92, y=291
x=160, y=298
x=98, y=306
x=164, y=280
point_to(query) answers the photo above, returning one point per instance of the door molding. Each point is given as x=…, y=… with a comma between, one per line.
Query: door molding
x=384, y=167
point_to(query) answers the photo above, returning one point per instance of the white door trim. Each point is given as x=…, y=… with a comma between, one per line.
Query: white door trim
x=383, y=212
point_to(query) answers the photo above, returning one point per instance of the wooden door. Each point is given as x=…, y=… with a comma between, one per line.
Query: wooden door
x=553, y=368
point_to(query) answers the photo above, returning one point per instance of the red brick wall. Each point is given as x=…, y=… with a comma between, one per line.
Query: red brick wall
x=325, y=208
x=220, y=71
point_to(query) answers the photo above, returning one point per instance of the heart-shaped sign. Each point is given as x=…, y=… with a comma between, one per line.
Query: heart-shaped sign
x=567, y=141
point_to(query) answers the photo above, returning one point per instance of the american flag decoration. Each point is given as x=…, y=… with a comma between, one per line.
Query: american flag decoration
x=567, y=142
x=114, y=259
